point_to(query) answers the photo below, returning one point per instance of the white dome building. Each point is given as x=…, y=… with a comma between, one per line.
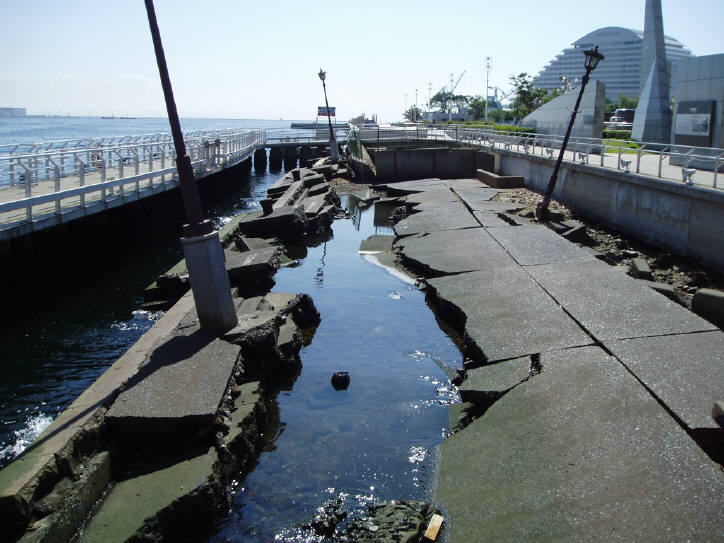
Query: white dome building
x=621, y=69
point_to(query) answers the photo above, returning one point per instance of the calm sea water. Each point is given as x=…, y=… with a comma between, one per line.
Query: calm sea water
x=32, y=129
x=374, y=441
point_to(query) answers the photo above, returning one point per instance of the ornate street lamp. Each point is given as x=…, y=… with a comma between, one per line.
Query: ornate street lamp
x=593, y=57
x=332, y=141
x=202, y=246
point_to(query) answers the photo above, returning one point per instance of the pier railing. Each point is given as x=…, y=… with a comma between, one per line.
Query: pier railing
x=48, y=179
x=690, y=165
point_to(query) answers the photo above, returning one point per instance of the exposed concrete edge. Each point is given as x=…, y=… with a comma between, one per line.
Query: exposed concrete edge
x=500, y=181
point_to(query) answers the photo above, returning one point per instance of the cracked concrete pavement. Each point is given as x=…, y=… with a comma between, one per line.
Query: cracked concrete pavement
x=602, y=441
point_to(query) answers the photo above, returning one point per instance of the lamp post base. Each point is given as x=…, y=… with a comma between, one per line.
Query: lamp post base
x=334, y=150
x=541, y=211
x=210, y=282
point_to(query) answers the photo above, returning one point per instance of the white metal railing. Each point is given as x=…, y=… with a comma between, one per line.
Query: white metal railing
x=663, y=161
x=58, y=176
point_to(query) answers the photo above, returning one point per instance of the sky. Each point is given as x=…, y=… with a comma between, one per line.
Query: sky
x=260, y=59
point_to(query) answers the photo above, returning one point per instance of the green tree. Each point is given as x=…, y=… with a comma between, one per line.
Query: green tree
x=442, y=100
x=477, y=107
x=460, y=101
x=526, y=96
x=413, y=114
x=624, y=102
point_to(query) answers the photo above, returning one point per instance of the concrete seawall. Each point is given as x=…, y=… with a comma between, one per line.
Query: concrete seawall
x=678, y=217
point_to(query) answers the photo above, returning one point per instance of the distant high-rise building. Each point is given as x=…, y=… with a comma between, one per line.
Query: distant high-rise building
x=620, y=71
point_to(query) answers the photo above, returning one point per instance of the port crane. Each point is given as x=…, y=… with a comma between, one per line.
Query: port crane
x=452, y=90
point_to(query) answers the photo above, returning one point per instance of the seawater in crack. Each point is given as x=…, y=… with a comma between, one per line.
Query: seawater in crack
x=374, y=441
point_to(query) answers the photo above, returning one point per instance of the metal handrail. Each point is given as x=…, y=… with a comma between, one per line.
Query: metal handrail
x=60, y=174
x=579, y=149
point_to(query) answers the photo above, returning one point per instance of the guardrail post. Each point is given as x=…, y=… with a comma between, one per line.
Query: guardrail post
x=81, y=176
x=28, y=180
x=618, y=163
x=12, y=174
x=137, y=163
x=638, y=160
x=661, y=160
x=603, y=152
x=56, y=183
x=163, y=165
x=716, y=168
x=150, y=166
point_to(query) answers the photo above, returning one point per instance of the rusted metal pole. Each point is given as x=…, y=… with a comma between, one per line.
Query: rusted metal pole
x=196, y=226
x=541, y=211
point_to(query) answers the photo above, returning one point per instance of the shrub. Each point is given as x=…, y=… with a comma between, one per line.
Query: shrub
x=617, y=134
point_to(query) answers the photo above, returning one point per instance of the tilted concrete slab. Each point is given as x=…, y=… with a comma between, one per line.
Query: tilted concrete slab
x=490, y=219
x=477, y=204
x=449, y=207
x=488, y=382
x=410, y=187
x=454, y=251
x=685, y=372
x=433, y=196
x=377, y=244
x=290, y=195
x=462, y=184
x=285, y=222
x=474, y=198
x=451, y=217
x=252, y=263
x=533, y=245
x=314, y=204
x=132, y=501
x=579, y=452
x=183, y=382
x=612, y=305
x=508, y=314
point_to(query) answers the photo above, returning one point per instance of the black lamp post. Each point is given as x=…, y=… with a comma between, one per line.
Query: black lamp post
x=593, y=57
x=202, y=246
x=332, y=141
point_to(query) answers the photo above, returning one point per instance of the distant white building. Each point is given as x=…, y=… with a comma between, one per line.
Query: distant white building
x=621, y=69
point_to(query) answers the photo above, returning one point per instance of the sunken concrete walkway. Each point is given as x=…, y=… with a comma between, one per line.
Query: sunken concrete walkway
x=588, y=392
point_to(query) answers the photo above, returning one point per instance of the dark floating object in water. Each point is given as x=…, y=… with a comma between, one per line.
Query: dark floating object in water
x=340, y=380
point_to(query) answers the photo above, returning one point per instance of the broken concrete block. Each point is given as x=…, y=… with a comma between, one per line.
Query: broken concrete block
x=286, y=223
x=319, y=189
x=639, y=268
x=252, y=265
x=665, y=289
x=314, y=179
x=578, y=234
x=290, y=195
x=176, y=390
x=487, y=383
x=557, y=227
x=709, y=303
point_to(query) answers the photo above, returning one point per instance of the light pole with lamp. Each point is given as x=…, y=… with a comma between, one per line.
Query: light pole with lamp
x=202, y=246
x=332, y=141
x=488, y=65
x=593, y=57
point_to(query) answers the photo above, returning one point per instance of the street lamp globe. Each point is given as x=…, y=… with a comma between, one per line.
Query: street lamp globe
x=322, y=74
x=593, y=57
